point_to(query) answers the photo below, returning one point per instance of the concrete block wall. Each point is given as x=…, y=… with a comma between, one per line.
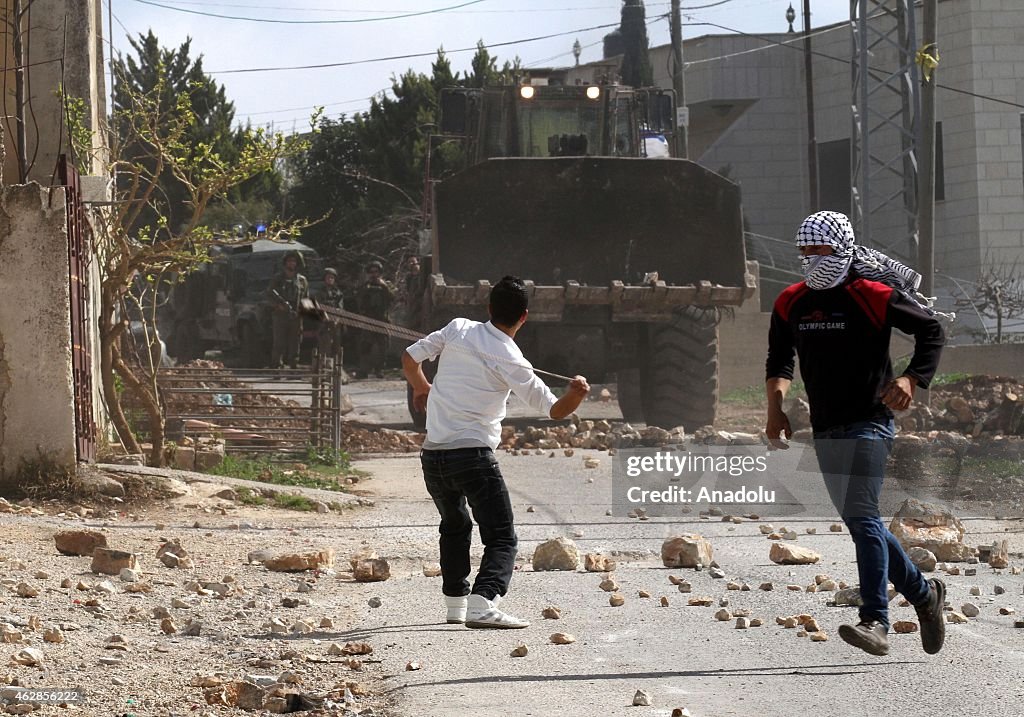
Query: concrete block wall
x=36, y=390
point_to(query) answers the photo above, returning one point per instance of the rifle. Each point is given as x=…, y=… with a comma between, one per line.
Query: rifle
x=283, y=302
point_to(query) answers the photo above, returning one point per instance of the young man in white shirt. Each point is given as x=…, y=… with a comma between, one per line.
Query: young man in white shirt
x=480, y=364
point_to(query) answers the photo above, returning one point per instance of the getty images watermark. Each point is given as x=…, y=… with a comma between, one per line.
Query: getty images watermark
x=677, y=478
x=739, y=479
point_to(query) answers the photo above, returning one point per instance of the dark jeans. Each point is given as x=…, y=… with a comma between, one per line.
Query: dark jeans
x=852, y=461
x=471, y=475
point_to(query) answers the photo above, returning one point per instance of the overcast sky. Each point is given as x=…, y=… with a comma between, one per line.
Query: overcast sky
x=286, y=97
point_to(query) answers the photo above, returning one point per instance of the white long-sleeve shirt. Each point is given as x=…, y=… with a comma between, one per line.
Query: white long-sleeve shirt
x=479, y=366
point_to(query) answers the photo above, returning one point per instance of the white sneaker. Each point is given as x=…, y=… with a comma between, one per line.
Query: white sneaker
x=484, y=613
x=456, y=609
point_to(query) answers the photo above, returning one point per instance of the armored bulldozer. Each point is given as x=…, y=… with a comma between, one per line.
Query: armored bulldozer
x=628, y=253
x=223, y=306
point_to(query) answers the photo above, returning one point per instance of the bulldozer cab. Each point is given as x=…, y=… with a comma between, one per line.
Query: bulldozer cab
x=557, y=120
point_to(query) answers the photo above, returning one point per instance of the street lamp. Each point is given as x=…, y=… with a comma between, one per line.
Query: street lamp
x=790, y=17
x=577, y=50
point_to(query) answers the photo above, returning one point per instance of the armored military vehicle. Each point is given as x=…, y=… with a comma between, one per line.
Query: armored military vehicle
x=628, y=257
x=223, y=306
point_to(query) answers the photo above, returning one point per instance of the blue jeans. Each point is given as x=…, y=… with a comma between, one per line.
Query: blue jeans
x=852, y=461
x=471, y=476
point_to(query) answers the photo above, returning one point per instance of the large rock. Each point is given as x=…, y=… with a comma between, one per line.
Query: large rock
x=686, y=551
x=932, y=527
x=297, y=562
x=94, y=482
x=79, y=542
x=789, y=554
x=556, y=554
x=112, y=562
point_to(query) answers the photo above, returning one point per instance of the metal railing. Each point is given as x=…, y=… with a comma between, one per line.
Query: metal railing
x=280, y=414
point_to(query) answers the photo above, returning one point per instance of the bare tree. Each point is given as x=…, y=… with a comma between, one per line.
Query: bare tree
x=135, y=267
x=998, y=296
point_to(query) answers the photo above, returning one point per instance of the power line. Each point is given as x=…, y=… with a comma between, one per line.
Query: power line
x=313, y=106
x=703, y=7
x=409, y=56
x=397, y=12
x=417, y=13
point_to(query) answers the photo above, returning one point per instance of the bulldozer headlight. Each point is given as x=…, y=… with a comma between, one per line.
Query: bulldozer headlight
x=526, y=92
x=593, y=92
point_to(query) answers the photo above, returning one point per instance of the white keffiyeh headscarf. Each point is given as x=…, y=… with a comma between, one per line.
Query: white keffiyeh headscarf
x=834, y=230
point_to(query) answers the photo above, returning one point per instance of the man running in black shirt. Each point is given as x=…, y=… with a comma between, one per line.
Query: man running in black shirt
x=838, y=321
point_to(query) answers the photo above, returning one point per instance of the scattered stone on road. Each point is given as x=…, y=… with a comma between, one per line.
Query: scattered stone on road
x=432, y=571
x=686, y=551
x=556, y=554
x=784, y=554
x=563, y=638
x=597, y=563
x=112, y=562
x=298, y=562
x=642, y=699
x=933, y=527
x=923, y=558
x=616, y=600
x=551, y=613
x=904, y=627
x=79, y=542
x=520, y=651
x=374, y=570
x=969, y=609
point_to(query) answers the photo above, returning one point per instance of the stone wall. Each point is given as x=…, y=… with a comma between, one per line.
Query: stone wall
x=37, y=419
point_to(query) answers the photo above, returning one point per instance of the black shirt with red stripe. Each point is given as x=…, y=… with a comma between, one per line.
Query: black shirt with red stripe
x=841, y=337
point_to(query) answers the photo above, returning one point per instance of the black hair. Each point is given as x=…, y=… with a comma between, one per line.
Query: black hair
x=509, y=301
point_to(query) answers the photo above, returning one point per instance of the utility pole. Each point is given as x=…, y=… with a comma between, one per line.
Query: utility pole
x=926, y=173
x=20, y=62
x=679, y=83
x=812, y=142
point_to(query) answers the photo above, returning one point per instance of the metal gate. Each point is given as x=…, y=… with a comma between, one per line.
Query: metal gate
x=81, y=357
x=279, y=414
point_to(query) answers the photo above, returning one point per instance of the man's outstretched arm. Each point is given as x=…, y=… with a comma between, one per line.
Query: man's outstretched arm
x=417, y=379
x=567, y=404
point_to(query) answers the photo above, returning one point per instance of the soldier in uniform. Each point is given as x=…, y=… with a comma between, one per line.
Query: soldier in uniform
x=287, y=289
x=374, y=300
x=329, y=336
x=410, y=293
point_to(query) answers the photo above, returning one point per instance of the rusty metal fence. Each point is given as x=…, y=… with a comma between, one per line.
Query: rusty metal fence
x=276, y=414
x=78, y=263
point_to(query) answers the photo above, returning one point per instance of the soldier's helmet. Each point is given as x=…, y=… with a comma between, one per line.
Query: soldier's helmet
x=297, y=256
x=375, y=265
x=332, y=271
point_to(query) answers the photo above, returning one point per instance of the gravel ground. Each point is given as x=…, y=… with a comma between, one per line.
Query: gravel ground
x=681, y=655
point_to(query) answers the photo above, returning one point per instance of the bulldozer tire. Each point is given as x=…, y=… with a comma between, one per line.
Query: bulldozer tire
x=680, y=381
x=630, y=394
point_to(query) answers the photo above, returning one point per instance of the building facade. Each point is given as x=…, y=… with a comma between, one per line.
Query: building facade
x=748, y=120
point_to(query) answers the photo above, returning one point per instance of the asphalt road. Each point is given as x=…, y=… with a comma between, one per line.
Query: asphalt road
x=681, y=655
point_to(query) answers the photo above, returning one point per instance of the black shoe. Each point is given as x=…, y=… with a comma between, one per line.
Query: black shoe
x=869, y=635
x=933, y=624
